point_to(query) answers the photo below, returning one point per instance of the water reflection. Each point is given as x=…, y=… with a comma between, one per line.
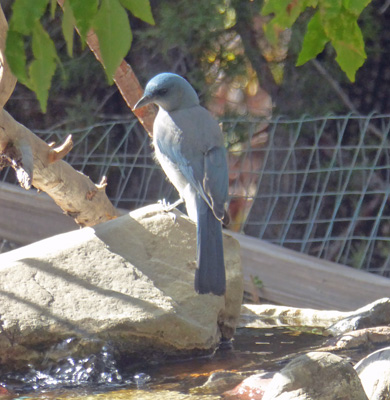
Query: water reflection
x=253, y=351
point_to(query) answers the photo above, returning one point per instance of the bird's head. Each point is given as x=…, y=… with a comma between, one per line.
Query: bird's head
x=169, y=91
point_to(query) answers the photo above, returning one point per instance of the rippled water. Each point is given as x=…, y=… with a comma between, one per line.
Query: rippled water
x=99, y=376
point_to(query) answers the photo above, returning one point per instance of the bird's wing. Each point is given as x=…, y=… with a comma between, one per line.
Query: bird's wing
x=216, y=179
x=193, y=141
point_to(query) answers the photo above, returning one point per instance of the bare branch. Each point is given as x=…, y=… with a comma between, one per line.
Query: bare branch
x=60, y=152
x=74, y=192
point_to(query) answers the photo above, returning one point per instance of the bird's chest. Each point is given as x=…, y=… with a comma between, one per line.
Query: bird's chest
x=176, y=138
x=172, y=150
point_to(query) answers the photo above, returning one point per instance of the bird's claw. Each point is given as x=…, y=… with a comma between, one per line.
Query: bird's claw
x=167, y=207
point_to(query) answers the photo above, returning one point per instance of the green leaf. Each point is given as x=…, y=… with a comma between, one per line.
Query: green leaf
x=43, y=66
x=286, y=13
x=356, y=6
x=68, y=23
x=16, y=56
x=347, y=39
x=274, y=6
x=25, y=13
x=53, y=7
x=84, y=12
x=140, y=9
x=289, y=10
x=112, y=27
x=314, y=41
x=330, y=8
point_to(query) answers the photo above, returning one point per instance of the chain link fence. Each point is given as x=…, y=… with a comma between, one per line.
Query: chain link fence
x=315, y=185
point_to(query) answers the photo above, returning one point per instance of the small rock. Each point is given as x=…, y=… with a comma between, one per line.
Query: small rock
x=251, y=388
x=265, y=315
x=316, y=376
x=217, y=382
x=360, y=338
x=374, y=373
x=371, y=315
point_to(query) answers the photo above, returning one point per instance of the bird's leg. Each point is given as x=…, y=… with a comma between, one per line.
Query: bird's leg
x=169, y=207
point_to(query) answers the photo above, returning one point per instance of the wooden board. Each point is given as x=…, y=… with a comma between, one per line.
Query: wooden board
x=296, y=279
x=28, y=216
x=289, y=278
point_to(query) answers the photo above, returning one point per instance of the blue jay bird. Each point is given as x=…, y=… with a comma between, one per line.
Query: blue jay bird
x=189, y=146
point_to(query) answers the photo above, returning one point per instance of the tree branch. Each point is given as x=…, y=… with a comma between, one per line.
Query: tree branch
x=38, y=164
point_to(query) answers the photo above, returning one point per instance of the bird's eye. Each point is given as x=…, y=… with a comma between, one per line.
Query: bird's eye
x=162, y=91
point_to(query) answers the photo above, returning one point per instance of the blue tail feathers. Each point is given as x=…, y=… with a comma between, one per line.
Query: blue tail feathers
x=210, y=275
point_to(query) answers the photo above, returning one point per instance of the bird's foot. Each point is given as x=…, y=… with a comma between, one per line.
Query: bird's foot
x=167, y=207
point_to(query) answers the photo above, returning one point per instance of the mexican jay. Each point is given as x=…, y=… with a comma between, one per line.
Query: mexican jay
x=190, y=148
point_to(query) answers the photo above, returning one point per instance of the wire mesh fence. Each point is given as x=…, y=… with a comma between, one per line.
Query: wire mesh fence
x=315, y=185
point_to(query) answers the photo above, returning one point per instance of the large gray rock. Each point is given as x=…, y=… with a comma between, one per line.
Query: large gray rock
x=128, y=281
x=374, y=373
x=316, y=376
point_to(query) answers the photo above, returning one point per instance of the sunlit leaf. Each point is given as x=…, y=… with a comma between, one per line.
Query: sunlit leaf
x=53, y=7
x=314, y=41
x=275, y=6
x=356, y=6
x=84, y=12
x=285, y=13
x=112, y=27
x=347, y=39
x=335, y=22
x=330, y=8
x=16, y=56
x=25, y=13
x=43, y=66
x=68, y=22
x=140, y=9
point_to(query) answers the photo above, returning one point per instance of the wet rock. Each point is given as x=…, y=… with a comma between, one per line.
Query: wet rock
x=374, y=373
x=251, y=388
x=218, y=382
x=129, y=394
x=316, y=376
x=361, y=338
x=336, y=322
x=373, y=314
x=128, y=281
x=263, y=315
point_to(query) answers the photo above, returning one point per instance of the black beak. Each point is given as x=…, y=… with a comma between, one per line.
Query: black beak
x=143, y=101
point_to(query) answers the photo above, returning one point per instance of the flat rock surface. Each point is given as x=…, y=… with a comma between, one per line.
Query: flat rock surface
x=129, y=281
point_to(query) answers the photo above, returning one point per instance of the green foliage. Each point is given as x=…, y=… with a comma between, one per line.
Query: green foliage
x=16, y=56
x=68, y=23
x=113, y=30
x=335, y=22
x=197, y=40
x=108, y=18
x=25, y=13
x=140, y=9
x=42, y=68
x=84, y=12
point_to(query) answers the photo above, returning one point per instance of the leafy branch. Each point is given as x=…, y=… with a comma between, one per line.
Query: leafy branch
x=108, y=18
x=334, y=22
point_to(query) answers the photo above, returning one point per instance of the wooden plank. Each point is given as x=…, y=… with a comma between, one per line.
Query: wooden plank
x=298, y=280
x=28, y=216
